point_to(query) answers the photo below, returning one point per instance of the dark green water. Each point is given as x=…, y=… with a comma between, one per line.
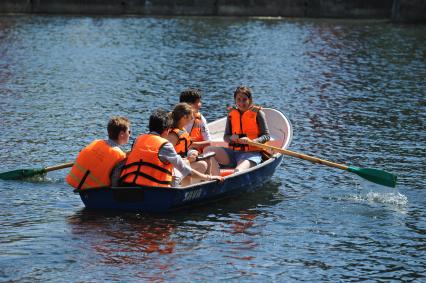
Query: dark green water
x=354, y=92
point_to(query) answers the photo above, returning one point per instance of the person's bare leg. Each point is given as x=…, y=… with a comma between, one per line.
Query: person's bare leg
x=244, y=165
x=188, y=179
x=200, y=166
x=221, y=155
x=213, y=167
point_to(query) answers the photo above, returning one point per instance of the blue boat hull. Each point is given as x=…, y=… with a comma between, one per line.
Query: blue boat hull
x=163, y=200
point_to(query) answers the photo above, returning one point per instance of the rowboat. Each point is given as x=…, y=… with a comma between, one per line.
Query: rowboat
x=164, y=200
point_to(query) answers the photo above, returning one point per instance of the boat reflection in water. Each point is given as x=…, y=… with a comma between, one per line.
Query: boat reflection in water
x=123, y=238
x=127, y=239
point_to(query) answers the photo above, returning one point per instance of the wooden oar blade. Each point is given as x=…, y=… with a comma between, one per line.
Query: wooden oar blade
x=20, y=174
x=375, y=175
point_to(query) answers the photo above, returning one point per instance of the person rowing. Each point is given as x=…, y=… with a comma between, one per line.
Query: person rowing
x=98, y=163
x=246, y=122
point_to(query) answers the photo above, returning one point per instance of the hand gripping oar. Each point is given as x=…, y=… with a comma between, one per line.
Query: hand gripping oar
x=26, y=173
x=373, y=175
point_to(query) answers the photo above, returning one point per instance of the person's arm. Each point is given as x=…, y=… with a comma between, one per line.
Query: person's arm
x=228, y=131
x=168, y=153
x=206, y=176
x=264, y=135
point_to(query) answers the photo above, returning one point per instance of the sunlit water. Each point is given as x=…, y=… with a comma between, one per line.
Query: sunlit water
x=354, y=92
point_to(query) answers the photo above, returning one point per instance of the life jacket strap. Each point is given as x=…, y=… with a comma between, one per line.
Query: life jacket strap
x=239, y=146
x=90, y=176
x=137, y=170
x=146, y=176
x=144, y=163
x=83, y=179
x=183, y=153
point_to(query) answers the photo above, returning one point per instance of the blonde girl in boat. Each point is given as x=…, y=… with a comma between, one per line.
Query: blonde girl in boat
x=181, y=115
x=245, y=122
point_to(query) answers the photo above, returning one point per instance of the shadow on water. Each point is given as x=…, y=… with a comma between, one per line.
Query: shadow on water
x=123, y=237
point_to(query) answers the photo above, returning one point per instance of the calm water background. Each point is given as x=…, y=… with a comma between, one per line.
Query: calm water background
x=354, y=91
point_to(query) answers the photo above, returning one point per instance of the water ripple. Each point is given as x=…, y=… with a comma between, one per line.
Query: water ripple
x=353, y=90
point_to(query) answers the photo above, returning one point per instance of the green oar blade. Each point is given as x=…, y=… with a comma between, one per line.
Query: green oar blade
x=375, y=175
x=21, y=174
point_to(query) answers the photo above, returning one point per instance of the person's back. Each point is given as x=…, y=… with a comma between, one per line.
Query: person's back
x=144, y=167
x=95, y=163
x=181, y=140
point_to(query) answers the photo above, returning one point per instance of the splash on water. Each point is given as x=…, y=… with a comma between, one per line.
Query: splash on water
x=380, y=194
x=394, y=198
x=44, y=178
x=39, y=178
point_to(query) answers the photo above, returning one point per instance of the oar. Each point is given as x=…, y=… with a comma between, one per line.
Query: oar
x=26, y=173
x=373, y=175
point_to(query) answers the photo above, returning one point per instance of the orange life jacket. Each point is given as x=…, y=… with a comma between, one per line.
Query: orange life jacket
x=143, y=166
x=183, y=143
x=195, y=132
x=94, y=164
x=244, y=125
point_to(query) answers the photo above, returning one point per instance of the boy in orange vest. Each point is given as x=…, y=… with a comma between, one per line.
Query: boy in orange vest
x=96, y=164
x=197, y=127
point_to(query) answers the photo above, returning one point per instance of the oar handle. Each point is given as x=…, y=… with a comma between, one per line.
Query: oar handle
x=298, y=155
x=57, y=167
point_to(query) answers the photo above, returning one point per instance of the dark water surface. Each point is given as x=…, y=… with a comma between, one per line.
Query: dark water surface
x=354, y=91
